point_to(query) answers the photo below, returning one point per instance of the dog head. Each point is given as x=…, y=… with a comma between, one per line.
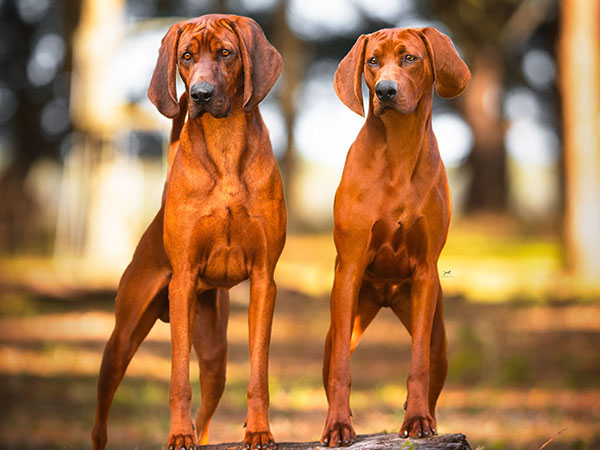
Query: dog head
x=221, y=59
x=399, y=66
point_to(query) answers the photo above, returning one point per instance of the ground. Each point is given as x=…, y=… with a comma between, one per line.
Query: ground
x=521, y=369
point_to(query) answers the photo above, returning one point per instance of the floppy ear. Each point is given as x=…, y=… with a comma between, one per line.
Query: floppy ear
x=162, y=91
x=451, y=74
x=348, y=77
x=262, y=63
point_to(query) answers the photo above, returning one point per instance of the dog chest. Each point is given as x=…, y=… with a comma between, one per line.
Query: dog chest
x=389, y=256
x=224, y=249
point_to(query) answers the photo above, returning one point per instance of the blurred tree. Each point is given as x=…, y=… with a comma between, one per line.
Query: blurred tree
x=580, y=87
x=35, y=66
x=490, y=34
x=482, y=107
x=296, y=56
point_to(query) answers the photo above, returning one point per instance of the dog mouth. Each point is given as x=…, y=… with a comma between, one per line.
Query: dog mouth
x=382, y=108
x=218, y=111
x=399, y=105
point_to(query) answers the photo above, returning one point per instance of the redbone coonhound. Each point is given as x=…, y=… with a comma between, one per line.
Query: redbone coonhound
x=391, y=214
x=222, y=221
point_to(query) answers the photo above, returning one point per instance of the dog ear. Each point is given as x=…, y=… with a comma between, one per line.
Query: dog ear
x=451, y=74
x=162, y=91
x=348, y=77
x=262, y=62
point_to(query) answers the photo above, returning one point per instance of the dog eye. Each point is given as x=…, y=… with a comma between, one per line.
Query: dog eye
x=372, y=61
x=410, y=58
x=187, y=56
x=225, y=52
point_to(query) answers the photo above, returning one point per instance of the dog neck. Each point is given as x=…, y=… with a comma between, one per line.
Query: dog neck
x=220, y=145
x=408, y=137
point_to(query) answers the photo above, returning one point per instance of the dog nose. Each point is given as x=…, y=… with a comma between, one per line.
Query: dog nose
x=386, y=90
x=202, y=92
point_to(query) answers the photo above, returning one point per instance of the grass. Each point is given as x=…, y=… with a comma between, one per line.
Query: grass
x=485, y=260
x=508, y=371
x=485, y=266
x=523, y=357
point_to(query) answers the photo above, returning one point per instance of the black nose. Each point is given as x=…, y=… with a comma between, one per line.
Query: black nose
x=386, y=90
x=202, y=92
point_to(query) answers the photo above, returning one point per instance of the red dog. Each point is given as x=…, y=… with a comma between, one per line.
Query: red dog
x=392, y=211
x=222, y=221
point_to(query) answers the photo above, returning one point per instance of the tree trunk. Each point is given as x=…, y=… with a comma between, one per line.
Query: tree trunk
x=580, y=87
x=295, y=61
x=389, y=441
x=18, y=210
x=483, y=110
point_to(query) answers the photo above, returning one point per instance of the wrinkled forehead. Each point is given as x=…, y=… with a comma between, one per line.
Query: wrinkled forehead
x=395, y=41
x=207, y=33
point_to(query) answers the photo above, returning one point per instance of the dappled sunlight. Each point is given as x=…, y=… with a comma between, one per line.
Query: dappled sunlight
x=56, y=359
x=69, y=327
x=307, y=264
x=526, y=366
x=529, y=368
x=473, y=264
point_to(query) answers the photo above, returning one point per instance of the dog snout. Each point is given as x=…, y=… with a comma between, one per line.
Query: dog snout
x=202, y=92
x=386, y=90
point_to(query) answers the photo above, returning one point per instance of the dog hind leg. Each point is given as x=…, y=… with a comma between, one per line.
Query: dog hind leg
x=210, y=343
x=438, y=368
x=141, y=299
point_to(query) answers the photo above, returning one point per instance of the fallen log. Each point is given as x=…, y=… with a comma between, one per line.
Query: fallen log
x=389, y=441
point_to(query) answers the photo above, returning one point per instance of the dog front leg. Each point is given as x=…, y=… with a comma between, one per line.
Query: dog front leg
x=344, y=297
x=260, y=317
x=182, y=297
x=418, y=421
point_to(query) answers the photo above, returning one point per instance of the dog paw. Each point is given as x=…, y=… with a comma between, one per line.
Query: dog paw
x=181, y=442
x=338, y=434
x=418, y=426
x=258, y=440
